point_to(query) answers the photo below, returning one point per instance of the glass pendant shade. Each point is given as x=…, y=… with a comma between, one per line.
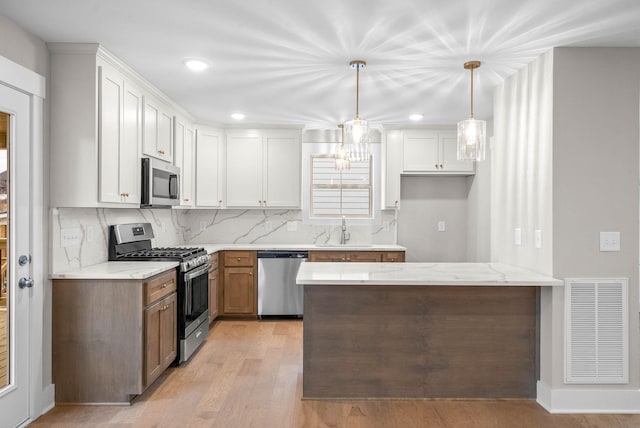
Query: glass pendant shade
x=471, y=132
x=357, y=131
x=342, y=158
x=471, y=139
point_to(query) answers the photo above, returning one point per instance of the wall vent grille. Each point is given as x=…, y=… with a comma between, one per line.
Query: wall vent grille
x=597, y=326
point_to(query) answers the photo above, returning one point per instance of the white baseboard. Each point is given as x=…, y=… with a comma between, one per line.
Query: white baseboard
x=588, y=400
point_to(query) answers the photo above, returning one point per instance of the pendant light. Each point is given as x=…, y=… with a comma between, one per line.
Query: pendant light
x=471, y=132
x=357, y=129
x=342, y=155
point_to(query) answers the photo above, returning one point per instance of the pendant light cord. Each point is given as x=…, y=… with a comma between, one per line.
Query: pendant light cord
x=471, y=117
x=357, y=90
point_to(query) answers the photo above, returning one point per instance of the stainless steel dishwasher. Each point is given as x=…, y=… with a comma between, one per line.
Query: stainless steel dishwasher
x=278, y=293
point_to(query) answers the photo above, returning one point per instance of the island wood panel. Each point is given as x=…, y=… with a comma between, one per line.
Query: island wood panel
x=419, y=341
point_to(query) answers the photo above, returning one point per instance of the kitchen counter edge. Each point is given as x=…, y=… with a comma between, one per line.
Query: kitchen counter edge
x=425, y=274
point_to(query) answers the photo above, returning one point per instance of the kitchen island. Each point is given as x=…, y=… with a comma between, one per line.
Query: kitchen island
x=420, y=330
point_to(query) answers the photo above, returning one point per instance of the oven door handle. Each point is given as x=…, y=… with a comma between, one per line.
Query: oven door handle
x=196, y=272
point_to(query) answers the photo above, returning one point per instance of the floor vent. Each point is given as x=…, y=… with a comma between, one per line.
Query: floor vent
x=597, y=326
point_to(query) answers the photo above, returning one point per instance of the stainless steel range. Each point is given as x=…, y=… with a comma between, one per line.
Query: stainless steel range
x=132, y=242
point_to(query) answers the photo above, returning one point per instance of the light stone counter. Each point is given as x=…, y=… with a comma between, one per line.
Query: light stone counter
x=476, y=274
x=212, y=248
x=117, y=270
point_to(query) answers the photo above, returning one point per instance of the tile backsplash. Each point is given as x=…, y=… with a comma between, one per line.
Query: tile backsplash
x=179, y=227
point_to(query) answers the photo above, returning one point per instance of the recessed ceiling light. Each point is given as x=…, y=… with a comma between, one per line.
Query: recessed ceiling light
x=238, y=116
x=196, y=64
x=416, y=116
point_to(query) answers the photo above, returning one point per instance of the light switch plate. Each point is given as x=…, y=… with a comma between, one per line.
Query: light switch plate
x=517, y=236
x=609, y=241
x=537, y=238
x=442, y=226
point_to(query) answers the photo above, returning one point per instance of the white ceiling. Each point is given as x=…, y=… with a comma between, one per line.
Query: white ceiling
x=286, y=61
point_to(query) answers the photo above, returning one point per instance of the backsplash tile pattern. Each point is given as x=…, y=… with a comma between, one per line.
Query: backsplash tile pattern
x=179, y=227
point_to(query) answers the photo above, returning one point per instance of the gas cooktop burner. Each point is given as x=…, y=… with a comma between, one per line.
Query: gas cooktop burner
x=165, y=253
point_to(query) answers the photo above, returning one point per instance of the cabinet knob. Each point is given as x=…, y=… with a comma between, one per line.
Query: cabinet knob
x=186, y=199
x=161, y=152
x=238, y=258
x=220, y=201
x=165, y=285
x=441, y=166
x=437, y=166
x=250, y=273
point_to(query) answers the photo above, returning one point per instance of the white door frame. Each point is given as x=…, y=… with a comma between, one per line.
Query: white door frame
x=41, y=389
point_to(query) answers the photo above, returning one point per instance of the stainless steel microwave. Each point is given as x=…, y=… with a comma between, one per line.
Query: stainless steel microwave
x=160, y=184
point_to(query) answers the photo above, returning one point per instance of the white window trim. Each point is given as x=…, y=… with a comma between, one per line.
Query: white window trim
x=309, y=149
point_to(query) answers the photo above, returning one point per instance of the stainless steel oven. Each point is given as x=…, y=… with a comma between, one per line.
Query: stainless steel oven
x=193, y=310
x=132, y=242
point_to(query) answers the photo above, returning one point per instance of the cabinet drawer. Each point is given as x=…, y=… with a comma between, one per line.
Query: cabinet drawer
x=327, y=256
x=393, y=256
x=239, y=258
x=364, y=256
x=159, y=286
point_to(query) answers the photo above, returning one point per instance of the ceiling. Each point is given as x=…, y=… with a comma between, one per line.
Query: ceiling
x=287, y=61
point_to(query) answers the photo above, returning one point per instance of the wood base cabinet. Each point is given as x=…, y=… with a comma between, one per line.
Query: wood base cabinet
x=112, y=338
x=356, y=256
x=239, y=284
x=213, y=288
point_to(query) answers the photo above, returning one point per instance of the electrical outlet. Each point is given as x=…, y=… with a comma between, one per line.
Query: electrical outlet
x=385, y=226
x=91, y=233
x=268, y=226
x=517, y=236
x=609, y=241
x=70, y=237
x=442, y=226
x=203, y=226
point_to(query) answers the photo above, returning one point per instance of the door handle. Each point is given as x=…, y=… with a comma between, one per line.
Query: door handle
x=25, y=282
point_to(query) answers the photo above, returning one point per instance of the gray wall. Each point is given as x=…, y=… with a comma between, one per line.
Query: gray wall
x=424, y=202
x=596, y=113
x=23, y=47
x=565, y=160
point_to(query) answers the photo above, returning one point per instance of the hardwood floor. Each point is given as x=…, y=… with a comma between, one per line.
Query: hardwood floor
x=249, y=374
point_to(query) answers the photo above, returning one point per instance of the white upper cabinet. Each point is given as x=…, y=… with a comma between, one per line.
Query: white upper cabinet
x=392, y=168
x=184, y=158
x=263, y=168
x=119, y=135
x=432, y=151
x=158, y=129
x=209, y=167
x=97, y=109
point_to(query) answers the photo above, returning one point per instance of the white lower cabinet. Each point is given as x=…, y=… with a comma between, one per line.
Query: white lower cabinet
x=432, y=151
x=263, y=168
x=209, y=167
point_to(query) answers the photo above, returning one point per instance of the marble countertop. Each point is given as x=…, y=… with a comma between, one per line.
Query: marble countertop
x=117, y=270
x=212, y=248
x=475, y=274
x=142, y=270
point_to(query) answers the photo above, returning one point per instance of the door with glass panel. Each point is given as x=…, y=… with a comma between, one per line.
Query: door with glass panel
x=15, y=261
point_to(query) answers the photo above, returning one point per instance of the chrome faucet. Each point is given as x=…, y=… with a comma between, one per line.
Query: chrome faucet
x=344, y=236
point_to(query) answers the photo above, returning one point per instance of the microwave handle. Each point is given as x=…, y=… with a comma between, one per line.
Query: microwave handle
x=174, y=186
